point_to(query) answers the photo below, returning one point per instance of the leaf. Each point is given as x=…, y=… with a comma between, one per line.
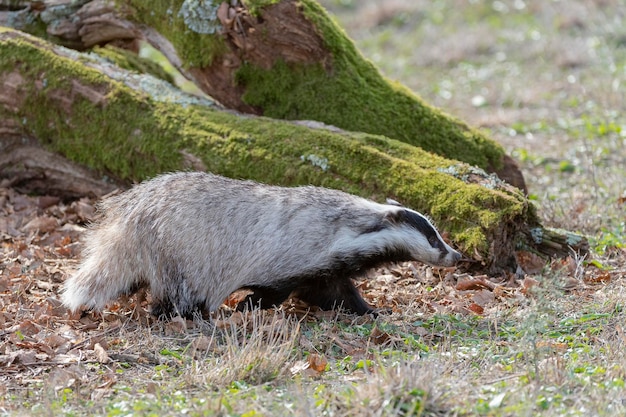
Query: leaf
x=476, y=308
x=43, y=224
x=101, y=354
x=61, y=378
x=596, y=263
x=530, y=262
x=84, y=211
x=527, y=284
x=378, y=337
x=477, y=283
x=601, y=277
x=317, y=362
x=235, y=320
x=168, y=352
x=28, y=328
x=176, y=325
x=202, y=343
x=54, y=340
x=235, y=298
x=549, y=344
x=483, y=298
x=46, y=201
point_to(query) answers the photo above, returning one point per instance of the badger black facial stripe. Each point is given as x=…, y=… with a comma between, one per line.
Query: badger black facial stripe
x=420, y=224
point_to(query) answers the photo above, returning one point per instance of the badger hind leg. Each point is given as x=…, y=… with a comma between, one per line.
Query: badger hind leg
x=176, y=299
x=329, y=293
x=165, y=309
x=162, y=308
x=264, y=297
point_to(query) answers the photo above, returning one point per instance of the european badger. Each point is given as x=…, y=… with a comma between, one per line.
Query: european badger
x=194, y=238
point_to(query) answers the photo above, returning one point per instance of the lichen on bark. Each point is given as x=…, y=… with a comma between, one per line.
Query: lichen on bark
x=190, y=25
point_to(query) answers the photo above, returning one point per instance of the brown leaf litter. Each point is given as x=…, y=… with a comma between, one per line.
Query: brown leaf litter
x=40, y=247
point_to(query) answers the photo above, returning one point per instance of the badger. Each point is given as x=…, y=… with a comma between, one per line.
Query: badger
x=193, y=238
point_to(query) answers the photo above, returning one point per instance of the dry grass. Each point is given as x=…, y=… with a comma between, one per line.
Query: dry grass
x=253, y=348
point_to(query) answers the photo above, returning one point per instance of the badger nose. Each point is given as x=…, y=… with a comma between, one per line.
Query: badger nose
x=456, y=256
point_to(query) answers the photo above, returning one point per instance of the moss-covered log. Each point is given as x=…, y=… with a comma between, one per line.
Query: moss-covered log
x=129, y=127
x=283, y=59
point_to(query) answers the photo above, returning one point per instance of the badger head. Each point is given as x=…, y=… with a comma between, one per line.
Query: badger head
x=389, y=232
x=412, y=232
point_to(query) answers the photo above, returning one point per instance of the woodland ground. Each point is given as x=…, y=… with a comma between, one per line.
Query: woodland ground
x=546, y=79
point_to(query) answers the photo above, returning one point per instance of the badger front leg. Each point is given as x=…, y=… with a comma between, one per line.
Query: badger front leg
x=329, y=293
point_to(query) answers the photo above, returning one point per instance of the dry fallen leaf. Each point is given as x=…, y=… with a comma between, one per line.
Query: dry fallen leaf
x=570, y=284
x=600, y=277
x=528, y=283
x=567, y=264
x=42, y=224
x=235, y=320
x=28, y=328
x=85, y=211
x=483, y=298
x=552, y=345
x=100, y=353
x=530, y=262
x=61, y=378
x=235, y=298
x=378, y=337
x=476, y=308
x=317, y=362
x=202, y=343
x=477, y=283
x=46, y=201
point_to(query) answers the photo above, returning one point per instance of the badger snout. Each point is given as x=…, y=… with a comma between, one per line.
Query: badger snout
x=449, y=258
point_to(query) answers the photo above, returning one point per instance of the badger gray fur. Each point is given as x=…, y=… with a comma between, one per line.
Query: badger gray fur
x=194, y=238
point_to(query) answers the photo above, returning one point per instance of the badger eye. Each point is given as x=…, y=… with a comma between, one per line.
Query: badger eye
x=434, y=241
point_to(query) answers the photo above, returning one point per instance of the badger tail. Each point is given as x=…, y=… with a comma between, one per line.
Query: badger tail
x=94, y=285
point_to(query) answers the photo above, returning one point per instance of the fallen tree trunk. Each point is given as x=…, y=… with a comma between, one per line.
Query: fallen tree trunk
x=281, y=59
x=128, y=127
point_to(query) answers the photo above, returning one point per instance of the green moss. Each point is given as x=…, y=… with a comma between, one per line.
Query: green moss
x=355, y=96
x=191, y=26
x=115, y=135
x=131, y=61
x=349, y=92
x=131, y=136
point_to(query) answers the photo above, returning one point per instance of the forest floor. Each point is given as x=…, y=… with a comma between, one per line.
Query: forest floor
x=544, y=80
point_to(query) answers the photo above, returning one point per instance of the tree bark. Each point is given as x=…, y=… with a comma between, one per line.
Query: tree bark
x=282, y=59
x=127, y=127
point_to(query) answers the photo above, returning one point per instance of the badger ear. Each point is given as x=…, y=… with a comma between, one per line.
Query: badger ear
x=393, y=202
x=394, y=216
